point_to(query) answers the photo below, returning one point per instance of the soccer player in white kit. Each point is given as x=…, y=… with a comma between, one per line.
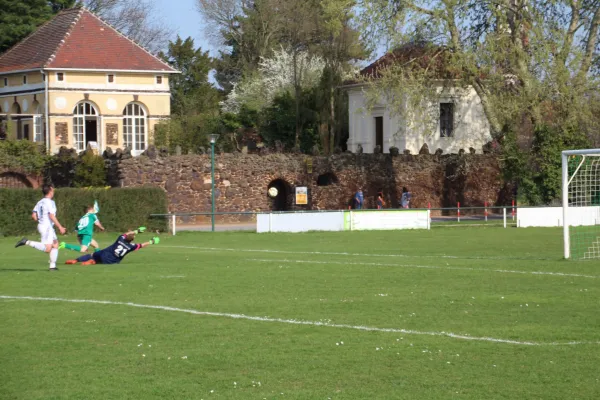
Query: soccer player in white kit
x=44, y=214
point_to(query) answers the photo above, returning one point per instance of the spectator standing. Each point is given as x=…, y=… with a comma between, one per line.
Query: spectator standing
x=406, y=196
x=359, y=199
x=380, y=202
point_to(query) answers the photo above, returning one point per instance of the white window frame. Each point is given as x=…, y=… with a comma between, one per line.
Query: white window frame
x=64, y=75
x=38, y=125
x=79, y=123
x=135, y=127
x=108, y=79
x=162, y=80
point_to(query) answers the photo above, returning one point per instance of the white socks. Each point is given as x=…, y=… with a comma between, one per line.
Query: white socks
x=53, y=257
x=36, y=245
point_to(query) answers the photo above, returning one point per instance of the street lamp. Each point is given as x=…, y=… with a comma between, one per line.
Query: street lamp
x=213, y=139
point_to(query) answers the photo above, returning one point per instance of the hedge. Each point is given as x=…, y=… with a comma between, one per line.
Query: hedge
x=120, y=209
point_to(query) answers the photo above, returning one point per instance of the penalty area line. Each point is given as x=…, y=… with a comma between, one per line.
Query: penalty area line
x=309, y=323
x=503, y=271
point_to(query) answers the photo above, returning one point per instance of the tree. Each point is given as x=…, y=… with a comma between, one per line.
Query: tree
x=191, y=92
x=298, y=22
x=259, y=33
x=274, y=76
x=517, y=54
x=19, y=18
x=340, y=46
x=245, y=30
x=530, y=61
x=194, y=101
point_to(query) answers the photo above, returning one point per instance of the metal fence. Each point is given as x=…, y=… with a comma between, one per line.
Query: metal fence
x=446, y=217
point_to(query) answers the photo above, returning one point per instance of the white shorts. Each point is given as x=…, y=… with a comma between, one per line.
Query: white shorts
x=47, y=233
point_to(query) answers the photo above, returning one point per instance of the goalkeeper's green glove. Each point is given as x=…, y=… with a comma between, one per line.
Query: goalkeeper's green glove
x=141, y=229
x=155, y=240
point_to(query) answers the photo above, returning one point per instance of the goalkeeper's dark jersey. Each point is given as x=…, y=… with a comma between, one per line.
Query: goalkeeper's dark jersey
x=114, y=253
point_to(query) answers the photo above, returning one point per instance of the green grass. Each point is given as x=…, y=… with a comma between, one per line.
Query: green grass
x=444, y=280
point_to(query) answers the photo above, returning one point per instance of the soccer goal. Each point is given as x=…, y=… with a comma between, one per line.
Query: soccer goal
x=581, y=203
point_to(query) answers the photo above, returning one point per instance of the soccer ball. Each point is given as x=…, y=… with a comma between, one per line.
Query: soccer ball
x=273, y=192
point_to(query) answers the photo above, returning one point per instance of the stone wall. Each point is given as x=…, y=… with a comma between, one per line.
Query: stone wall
x=242, y=180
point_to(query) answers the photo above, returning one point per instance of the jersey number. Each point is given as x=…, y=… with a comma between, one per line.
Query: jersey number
x=83, y=222
x=121, y=251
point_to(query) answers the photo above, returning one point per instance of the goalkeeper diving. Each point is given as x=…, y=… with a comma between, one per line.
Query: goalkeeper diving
x=114, y=253
x=85, y=231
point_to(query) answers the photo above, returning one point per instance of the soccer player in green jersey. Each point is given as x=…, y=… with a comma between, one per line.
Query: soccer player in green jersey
x=85, y=231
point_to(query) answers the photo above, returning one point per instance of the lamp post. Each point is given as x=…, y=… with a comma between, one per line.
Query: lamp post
x=213, y=139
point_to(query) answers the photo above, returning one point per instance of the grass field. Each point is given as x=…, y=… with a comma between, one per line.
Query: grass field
x=454, y=313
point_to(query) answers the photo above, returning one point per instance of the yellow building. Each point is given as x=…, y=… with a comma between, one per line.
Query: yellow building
x=76, y=80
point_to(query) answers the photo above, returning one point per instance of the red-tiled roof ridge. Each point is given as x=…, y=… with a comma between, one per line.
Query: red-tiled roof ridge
x=52, y=45
x=20, y=63
x=407, y=53
x=84, y=9
x=67, y=33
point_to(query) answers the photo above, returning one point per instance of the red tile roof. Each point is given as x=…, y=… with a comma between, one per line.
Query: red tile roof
x=412, y=56
x=36, y=49
x=78, y=39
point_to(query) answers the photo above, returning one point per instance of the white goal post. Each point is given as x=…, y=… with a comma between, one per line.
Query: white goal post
x=581, y=203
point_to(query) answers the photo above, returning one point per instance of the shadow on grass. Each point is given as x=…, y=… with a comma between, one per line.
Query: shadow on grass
x=19, y=270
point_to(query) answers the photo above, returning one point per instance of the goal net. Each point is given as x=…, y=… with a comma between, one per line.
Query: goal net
x=581, y=203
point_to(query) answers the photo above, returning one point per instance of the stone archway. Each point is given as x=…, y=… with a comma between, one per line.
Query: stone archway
x=14, y=180
x=282, y=201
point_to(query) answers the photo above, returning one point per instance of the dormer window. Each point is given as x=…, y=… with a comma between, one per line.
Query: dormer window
x=159, y=79
x=24, y=79
x=110, y=78
x=60, y=76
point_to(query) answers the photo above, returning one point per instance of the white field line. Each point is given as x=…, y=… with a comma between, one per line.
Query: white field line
x=310, y=323
x=328, y=253
x=506, y=271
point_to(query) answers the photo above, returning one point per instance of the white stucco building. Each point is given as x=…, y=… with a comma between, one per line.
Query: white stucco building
x=456, y=121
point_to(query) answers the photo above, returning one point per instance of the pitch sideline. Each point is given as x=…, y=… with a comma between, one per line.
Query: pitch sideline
x=310, y=323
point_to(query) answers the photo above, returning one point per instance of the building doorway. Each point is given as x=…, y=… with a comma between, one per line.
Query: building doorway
x=91, y=130
x=379, y=132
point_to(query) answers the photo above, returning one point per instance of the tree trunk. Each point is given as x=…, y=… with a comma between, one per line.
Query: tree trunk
x=495, y=127
x=297, y=100
x=332, y=120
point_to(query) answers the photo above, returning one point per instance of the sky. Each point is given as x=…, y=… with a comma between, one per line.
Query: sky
x=183, y=17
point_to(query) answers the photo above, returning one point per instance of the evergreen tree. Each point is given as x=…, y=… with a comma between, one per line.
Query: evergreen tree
x=194, y=101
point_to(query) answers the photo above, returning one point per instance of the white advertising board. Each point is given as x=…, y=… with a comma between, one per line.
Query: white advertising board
x=553, y=216
x=386, y=220
x=300, y=222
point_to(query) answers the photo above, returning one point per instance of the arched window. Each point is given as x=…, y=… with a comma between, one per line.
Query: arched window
x=134, y=128
x=85, y=125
